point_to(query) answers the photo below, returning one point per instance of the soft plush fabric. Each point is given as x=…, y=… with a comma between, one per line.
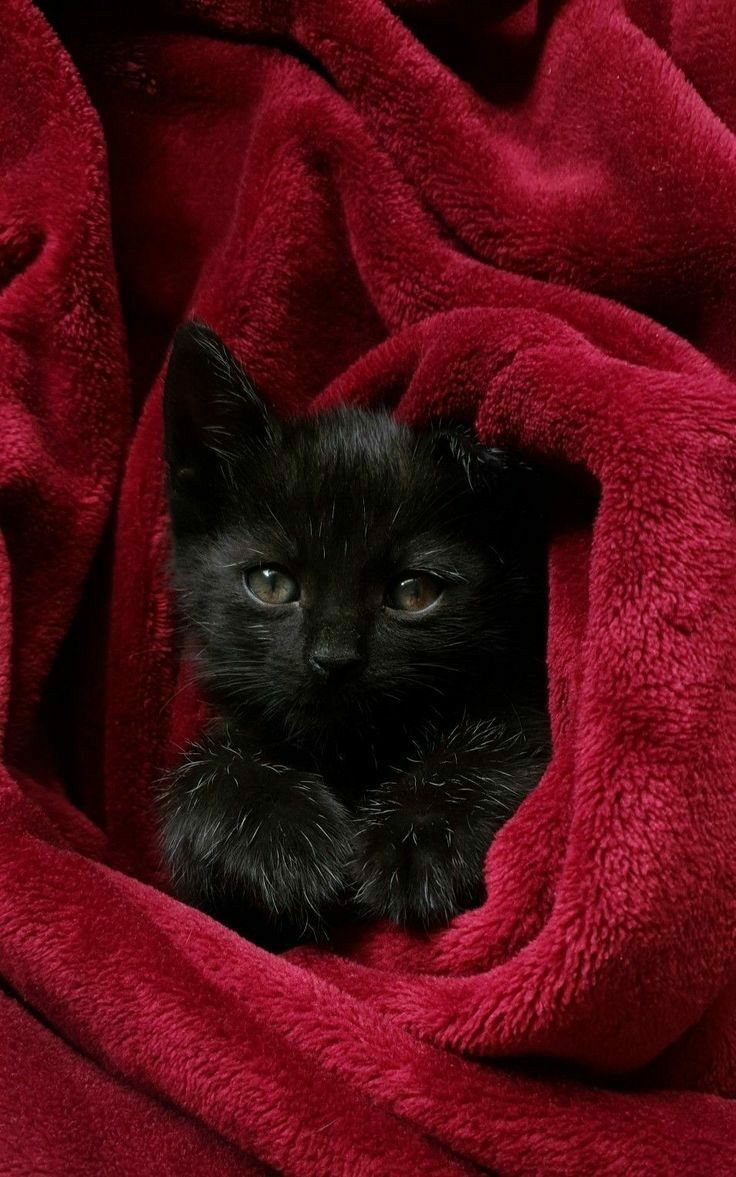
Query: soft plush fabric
x=523, y=214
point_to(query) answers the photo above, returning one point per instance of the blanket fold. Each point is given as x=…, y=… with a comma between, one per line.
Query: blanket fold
x=519, y=214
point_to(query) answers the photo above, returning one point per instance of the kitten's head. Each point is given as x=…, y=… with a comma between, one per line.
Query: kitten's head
x=333, y=567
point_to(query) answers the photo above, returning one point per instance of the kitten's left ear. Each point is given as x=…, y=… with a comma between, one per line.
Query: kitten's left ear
x=513, y=483
x=212, y=414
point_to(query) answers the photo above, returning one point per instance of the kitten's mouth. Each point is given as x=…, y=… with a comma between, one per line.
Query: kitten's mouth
x=333, y=698
x=331, y=703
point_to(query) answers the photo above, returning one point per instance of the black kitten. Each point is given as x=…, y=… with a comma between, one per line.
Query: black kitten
x=365, y=606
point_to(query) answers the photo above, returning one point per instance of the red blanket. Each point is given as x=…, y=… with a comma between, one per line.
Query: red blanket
x=520, y=213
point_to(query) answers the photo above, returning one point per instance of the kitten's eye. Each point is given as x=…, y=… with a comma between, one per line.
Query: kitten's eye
x=272, y=586
x=413, y=592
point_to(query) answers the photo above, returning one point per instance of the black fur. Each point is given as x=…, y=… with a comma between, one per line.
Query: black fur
x=364, y=757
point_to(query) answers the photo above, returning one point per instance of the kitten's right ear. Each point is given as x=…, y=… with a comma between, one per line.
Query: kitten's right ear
x=212, y=414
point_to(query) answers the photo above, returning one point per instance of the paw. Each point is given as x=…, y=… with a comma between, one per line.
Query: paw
x=422, y=838
x=260, y=846
x=415, y=865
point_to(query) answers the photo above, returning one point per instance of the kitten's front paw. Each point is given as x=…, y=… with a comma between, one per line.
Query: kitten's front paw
x=415, y=862
x=261, y=846
x=422, y=838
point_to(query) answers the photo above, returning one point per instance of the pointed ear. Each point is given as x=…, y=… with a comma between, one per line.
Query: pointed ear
x=212, y=414
x=515, y=486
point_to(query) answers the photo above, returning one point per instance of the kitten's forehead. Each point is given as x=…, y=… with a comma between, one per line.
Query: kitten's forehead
x=349, y=481
x=372, y=449
x=352, y=466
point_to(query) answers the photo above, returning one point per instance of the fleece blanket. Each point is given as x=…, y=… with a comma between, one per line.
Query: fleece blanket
x=518, y=213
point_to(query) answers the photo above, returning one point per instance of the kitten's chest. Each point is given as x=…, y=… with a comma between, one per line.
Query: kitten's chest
x=352, y=768
x=356, y=761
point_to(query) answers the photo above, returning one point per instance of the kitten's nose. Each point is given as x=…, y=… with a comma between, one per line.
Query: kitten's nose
x=334, y=662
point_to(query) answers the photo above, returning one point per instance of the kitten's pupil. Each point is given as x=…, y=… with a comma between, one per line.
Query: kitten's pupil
x=413, y=592
x=272, y=586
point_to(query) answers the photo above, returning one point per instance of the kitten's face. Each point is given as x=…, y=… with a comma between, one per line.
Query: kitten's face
x=333, y=567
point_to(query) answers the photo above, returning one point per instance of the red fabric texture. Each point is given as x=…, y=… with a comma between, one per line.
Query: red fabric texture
x=519, y=213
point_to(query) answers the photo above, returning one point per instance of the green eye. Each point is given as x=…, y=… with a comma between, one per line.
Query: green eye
x=272, y=586
x=413, y=592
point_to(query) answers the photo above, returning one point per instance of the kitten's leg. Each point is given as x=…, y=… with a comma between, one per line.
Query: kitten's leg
x=422, y=836
x=259, y=845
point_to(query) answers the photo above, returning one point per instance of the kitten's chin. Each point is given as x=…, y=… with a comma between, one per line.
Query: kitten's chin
x=330, y=713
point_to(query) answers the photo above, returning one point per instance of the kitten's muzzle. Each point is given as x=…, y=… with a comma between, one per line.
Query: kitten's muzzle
x=337, y=663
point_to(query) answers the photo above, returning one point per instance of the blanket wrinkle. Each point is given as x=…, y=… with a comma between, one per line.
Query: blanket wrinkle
x=516, y=213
